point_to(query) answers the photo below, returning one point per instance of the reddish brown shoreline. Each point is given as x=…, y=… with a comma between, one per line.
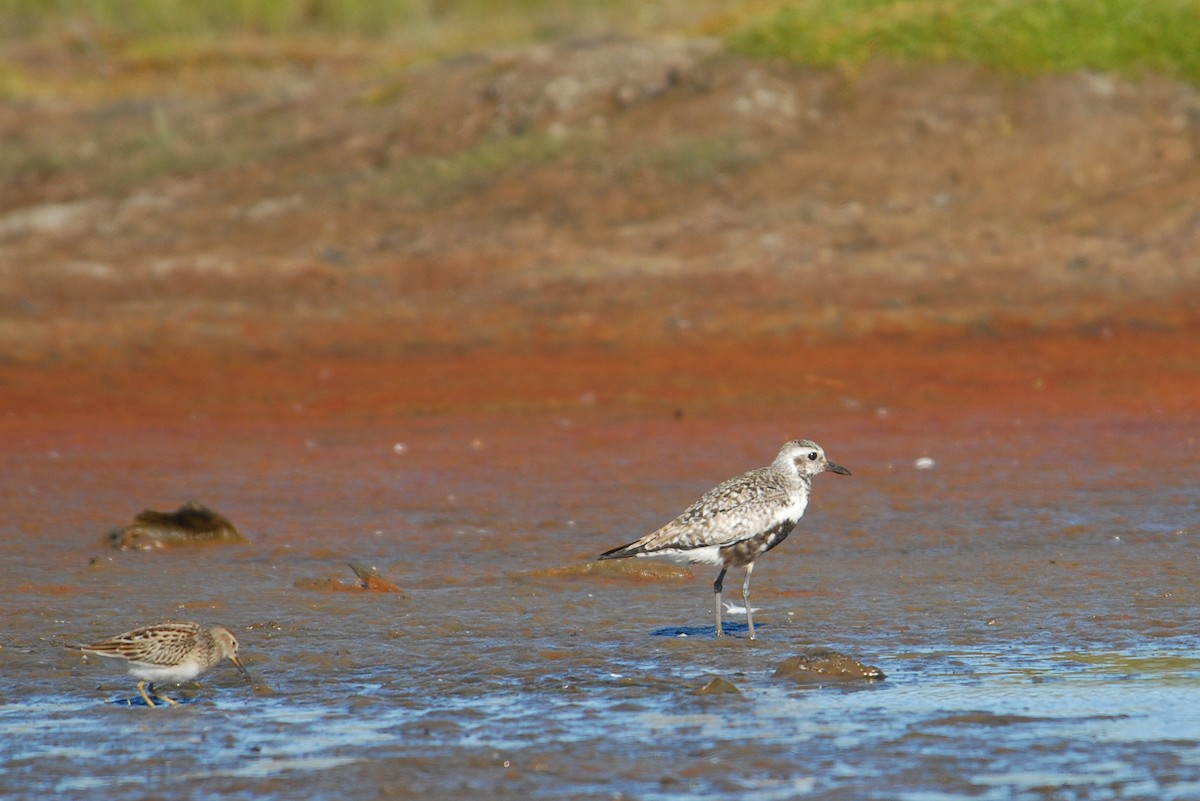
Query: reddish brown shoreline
x=732, y=238
x=1124, y=371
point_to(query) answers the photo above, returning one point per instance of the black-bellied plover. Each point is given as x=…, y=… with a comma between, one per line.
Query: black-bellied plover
x=170, y=652
x=740, y=519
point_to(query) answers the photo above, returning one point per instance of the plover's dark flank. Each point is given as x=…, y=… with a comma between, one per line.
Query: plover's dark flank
x=173, y=652
x=739, y=520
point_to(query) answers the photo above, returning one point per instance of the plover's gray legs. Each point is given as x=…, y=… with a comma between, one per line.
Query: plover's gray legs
x=717, y=596
x=746, y=599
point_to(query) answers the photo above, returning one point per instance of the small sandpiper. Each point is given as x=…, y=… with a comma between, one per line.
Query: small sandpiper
x=739, y=520
x=170, y=652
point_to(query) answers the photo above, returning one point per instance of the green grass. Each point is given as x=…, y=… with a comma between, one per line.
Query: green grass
x=1130, y=37
x=1022, y=36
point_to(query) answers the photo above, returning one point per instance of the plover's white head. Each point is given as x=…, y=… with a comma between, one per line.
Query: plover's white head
x=803, y=457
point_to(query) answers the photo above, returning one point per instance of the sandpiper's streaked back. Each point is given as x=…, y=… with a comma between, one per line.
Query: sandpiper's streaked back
x=739, y=520
x=170, y=652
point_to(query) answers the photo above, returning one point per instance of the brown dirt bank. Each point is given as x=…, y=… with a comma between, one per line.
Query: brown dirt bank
x=651, y=225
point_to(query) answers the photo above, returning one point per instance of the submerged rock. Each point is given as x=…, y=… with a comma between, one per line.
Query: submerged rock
x=190, y=524
x=718, y=685
x=824, y=664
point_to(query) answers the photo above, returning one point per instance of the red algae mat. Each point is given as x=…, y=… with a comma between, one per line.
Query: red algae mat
x=1139, y=372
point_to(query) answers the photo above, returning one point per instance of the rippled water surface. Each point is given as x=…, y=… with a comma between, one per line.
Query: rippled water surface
x=1031, y=597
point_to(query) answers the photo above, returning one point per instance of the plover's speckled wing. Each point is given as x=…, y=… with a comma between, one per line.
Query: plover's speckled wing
x=165, y=644
x=738, y=509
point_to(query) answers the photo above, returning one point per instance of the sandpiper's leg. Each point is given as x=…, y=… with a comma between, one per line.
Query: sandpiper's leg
x=746, y=599
x=142, y=692
x=157, y=694
x=160, y=696
x=717, y=595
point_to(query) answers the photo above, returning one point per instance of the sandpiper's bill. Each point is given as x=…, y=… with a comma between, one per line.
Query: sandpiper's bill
x=170, y=652
x=739, y=520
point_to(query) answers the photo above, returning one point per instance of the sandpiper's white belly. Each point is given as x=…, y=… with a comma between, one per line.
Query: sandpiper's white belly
x=174, y=674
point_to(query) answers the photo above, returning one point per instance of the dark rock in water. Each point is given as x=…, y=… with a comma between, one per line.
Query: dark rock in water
x=717, y=686
x=825, y=664
x=190, y=524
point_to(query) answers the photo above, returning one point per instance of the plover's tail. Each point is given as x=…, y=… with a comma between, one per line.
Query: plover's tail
x=624, y=551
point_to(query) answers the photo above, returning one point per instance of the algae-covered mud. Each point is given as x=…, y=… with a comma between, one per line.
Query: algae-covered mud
x=1026, y=586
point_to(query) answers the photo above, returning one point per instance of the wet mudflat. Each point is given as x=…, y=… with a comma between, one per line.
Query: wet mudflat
x=1030, y=596
x=439, y=332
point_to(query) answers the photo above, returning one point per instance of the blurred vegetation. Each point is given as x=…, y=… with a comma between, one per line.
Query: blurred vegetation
x=1022, y=36
x=166, y=18
x=424, y=27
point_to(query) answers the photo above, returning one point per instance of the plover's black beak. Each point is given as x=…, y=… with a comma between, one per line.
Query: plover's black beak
x=836, y=468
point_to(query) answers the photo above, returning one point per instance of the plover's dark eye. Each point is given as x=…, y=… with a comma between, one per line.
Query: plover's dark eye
x=812, y=456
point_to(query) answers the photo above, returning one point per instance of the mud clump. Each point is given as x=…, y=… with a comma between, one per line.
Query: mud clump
x=631, y=569
x=190, y=524
x=825, y=664
x=369, y=580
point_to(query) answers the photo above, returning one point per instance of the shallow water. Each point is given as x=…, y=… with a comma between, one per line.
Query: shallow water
x=1031, y=598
